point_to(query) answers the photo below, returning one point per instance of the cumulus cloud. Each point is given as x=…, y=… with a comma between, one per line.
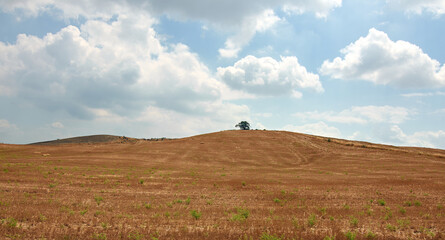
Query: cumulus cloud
x=249, y=27
x=243, y=18
x=112, y=71
x=268, y=77
x=360, y=115
x=436, y=7
x=378, y=59
x=319, y=129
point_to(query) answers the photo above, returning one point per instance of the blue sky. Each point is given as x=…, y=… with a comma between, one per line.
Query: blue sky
x=360, y=70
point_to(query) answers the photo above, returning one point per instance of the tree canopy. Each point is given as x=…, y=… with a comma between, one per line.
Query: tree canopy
x=243, y=125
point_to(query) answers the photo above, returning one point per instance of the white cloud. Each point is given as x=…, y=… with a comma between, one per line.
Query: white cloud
x=268, y=77
x=436, y=7
x=378, y=59
x=249, y=27
x=111, y=72
x=360, y=115
x=243, y=18
x=427, y=94
x=319, y=129
x=432, y=139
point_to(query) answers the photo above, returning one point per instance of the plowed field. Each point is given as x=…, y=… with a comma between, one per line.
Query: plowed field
x=225, y=185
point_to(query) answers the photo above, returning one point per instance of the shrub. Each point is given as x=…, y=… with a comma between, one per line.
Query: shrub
x=241, y=215
x=11, y=222
x=402, y=210
x=381, y=202
x=195, y=214
x=350, y=235
x=370, y=235
x=354, y=221
x=391, y=227
x=98, y=199
x=311, y=221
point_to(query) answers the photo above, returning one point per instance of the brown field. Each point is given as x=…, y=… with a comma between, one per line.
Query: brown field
x=226, y=185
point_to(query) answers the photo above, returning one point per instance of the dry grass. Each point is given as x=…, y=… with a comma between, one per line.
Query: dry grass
x=227, y=185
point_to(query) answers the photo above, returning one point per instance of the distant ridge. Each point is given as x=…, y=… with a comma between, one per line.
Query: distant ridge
x=86, y=139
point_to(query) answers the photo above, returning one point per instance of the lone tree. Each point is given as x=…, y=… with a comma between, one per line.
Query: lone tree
x=243, y=125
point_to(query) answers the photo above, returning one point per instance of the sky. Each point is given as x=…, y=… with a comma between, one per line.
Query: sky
x=369, y=70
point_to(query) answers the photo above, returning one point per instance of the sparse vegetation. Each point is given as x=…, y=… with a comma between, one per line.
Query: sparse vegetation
x=195, y=214
x=240, y=215
x=311, y=221
x=381, y=202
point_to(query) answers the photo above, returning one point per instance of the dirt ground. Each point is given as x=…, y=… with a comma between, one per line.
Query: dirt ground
x=225, y=185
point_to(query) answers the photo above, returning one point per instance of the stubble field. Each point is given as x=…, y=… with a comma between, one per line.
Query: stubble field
x=225, y=185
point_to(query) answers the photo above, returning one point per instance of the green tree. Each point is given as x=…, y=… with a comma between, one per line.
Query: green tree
x=243, y=125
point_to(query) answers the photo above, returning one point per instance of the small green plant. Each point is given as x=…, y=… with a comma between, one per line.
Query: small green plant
x=323, y=210
x=104, y=225
x=135, y=236
x=350, y=235
x=390, y=227
x=266, y=236
x=243, y=183
x=147, y=205
x=98, y=199
x=329, y=238
x=82, y=212
x=195, y=214
x=402, y=210
x=241, y=215
x=346, y=206
x=187, y=201
x=11, y=222
x=42, y=218
x=370, y=235
x=439, y=206
x=417, y=203
x=100, y=236
x=141, y=181
x=353, y=221
x=311, y=221
x=388, y=214
x=403, y=223
x=408, y=203
x=381, y=202
x=276, y=200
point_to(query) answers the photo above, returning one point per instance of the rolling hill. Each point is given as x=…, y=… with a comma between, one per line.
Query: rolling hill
x=223, y=185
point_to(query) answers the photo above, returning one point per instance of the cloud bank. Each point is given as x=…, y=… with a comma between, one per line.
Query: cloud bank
x=112, y=72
